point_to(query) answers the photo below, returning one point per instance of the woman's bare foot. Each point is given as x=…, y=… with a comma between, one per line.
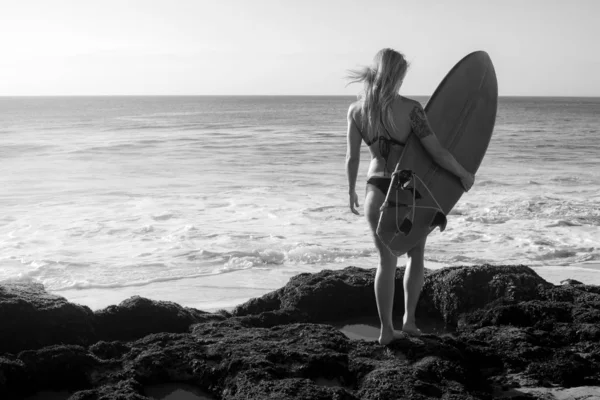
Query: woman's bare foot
x=411, y=329
x=389, y=337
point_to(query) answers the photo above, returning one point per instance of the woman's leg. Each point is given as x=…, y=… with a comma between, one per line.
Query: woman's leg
x=386, y=270
x=413, y=283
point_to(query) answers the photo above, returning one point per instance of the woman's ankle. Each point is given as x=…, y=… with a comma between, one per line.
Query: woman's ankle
x=409, y=319
x=387, y=328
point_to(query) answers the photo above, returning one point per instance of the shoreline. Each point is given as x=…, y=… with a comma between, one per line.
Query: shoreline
x=226, y=291
x=490, y=331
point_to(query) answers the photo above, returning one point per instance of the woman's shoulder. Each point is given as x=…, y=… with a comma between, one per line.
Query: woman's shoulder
x=406, y=107
x=355, y=109
x=355, y=106
x=407, y=101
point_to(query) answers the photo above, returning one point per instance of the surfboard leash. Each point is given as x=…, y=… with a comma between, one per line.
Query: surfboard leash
x=405, y=186
x=431, y=194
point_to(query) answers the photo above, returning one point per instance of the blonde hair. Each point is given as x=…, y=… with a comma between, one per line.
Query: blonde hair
x=381, y=84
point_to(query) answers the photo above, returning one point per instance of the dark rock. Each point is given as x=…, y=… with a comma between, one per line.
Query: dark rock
x=324, y=296
x=283, y=389
x=268, y=302
x=450, y=292
x=137, y=316
x=565, y=368
x=552, y=340
x=13, y=377
x=60, y=367
x=272, y=318
x=109, y=350
x=31, y=318
x=570, y=282
x=526, y=313
x=127, y=389
x=446, y=294
x=507, y=328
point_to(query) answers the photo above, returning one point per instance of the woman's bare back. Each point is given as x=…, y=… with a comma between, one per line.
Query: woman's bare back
x=384, y=164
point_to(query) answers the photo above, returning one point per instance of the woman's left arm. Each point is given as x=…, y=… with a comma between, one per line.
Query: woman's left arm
x=354, y=140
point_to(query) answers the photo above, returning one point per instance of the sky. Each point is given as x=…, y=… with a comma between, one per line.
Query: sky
x=290, y=47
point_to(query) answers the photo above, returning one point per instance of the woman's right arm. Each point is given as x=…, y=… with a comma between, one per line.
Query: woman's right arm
x=353, y=140
x=441, y=156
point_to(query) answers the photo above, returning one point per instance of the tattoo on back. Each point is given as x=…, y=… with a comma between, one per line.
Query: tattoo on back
x=418, y=122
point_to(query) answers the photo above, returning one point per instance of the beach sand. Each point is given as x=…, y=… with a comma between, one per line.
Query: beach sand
x=208, y=293
x=225, y=291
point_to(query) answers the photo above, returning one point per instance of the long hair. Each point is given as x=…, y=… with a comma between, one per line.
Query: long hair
x=381, y=82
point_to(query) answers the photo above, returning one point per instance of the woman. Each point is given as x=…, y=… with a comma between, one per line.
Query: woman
x=384, y=120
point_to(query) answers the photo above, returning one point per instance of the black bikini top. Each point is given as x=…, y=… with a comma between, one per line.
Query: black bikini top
x=385, y=143
x=387, y=140
x=391, y=140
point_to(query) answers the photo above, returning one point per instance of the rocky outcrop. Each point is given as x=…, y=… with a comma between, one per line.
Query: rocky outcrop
x=505, y=329
x=137, y=317
x=324, y=296
x=31, y=318
x=447, y=293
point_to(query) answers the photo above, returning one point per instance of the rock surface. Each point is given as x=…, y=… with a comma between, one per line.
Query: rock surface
x=507, y=331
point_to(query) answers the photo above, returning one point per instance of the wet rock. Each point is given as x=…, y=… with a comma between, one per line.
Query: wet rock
x=450, y=292
x=31, y=318
x=271, y=318
x=570, y=282
x=109, y=350
x=324, y=296
x=552, y=340
x=447, y=292
x=128, y=389
x=508, y=331
x=60, y=367
x=13, y=376
x=137, y=316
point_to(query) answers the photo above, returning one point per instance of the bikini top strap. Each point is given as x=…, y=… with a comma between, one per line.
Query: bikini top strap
x=390, y=138
x=382, y=124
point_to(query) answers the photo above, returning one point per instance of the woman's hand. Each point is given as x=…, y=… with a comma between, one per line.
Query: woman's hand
x=467, y=181
x=354, y=202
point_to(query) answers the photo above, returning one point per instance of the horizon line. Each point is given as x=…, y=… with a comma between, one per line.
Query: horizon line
x=258, y=95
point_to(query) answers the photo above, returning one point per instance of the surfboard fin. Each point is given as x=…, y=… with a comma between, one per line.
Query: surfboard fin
x=404, y=178
x=406, y=226
x=439, y=220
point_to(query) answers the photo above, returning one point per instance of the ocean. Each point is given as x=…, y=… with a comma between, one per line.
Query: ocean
x=212, y=200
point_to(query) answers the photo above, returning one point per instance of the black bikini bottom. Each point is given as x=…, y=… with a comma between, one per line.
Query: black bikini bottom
x=383, y=184
x=380, y=182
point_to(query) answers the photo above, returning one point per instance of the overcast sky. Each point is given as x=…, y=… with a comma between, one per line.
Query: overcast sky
x=290, y=47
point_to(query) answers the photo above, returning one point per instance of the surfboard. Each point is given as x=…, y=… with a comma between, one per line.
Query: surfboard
x=462, y=114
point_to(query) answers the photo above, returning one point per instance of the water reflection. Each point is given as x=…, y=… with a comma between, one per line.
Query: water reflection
x=176, y=391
